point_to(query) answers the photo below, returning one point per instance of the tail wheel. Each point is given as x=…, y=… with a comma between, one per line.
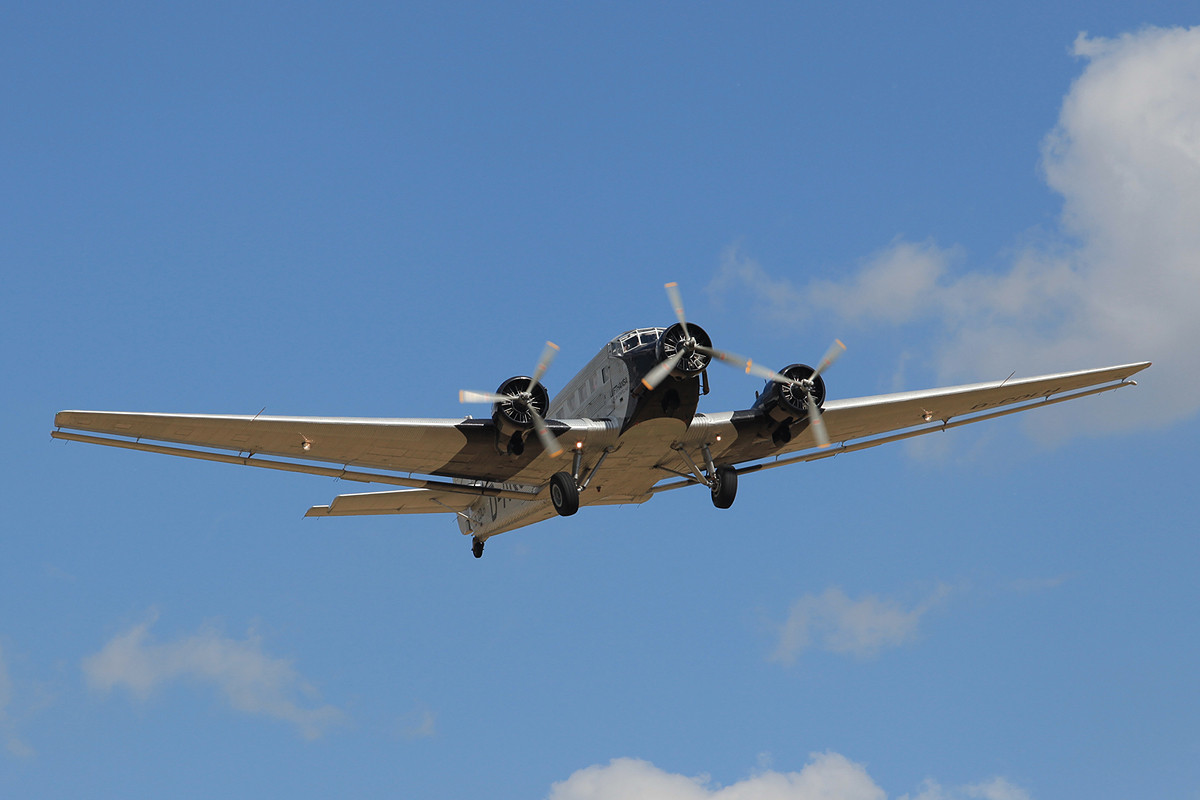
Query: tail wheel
x=564, y=494
x=724, y=487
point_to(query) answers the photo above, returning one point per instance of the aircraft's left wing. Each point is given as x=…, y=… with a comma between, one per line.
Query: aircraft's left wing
x=863, y=422
x=464, y=449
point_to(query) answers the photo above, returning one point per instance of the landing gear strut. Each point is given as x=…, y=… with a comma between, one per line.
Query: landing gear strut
x=477, y=547
x=721, y=481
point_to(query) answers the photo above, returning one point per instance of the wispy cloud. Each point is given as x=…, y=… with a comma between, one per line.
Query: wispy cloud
x=248, y=678
x=420, y=723
x=833, y=622
x=993, y=789
x=1119, y=281
x=12, y=743
x=826, y=776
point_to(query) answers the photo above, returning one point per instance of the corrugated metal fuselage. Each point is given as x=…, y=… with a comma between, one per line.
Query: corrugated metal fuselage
x=643, y=423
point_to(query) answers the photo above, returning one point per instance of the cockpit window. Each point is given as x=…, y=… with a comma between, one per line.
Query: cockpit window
x=642, y=336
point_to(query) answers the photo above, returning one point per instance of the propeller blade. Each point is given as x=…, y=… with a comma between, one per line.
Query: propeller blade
x=677, y=303
x=815, y=422
x=732, y=359
x=831, y=355
x=747, y=364
x=661, y=370
x=543, y=364
x=768, y=373
x=549, y=443
x=467, y=396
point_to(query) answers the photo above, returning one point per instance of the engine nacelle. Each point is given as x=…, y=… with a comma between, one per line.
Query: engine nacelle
x=692, y=364
x=788, y=403
x=512, y=416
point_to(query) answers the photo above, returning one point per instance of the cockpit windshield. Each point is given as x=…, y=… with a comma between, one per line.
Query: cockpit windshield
x=642, y=336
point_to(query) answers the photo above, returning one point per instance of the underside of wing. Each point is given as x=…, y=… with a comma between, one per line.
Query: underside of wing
x=404, y=501
x=869, y=416
x=453, y=448
x=865, y=421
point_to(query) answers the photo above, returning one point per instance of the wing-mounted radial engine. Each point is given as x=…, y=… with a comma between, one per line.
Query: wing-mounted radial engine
x=516, y=414
x=787, y=403
x=797, y=392
x=518, y=407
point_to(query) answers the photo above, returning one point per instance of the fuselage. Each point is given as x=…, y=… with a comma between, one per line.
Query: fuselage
x=608, y=390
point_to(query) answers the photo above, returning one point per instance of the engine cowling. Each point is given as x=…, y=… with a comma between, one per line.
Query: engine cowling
x=512, y=416
x=788, y=403
x=694, y=362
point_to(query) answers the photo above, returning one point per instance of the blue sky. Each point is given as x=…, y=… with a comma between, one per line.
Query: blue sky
x=360, y=210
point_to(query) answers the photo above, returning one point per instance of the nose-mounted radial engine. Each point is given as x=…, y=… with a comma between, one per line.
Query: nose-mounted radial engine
x=519, y=406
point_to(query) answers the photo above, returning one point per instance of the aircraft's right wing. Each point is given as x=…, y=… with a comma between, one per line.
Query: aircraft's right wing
x=466, y=449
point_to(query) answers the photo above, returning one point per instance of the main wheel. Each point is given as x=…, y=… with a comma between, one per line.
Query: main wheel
x=564, y=494
x=724, y=488
x=477, y=547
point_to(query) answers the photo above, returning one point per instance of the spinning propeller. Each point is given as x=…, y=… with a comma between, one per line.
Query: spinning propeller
x=689, y=346
x=524, y=401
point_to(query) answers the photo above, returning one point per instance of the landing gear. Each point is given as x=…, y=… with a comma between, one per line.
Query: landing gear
x=564, y=493
x=721, y=481
x=477, y=547
x=724, y=486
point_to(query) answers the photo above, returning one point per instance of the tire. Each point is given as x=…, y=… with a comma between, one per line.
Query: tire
x=724, y=489
x=564, y=494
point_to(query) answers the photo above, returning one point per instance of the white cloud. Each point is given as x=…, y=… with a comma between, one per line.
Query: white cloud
x=12, y=743
x=997, y=789
x=250, y=680
x=1119, y=282
x=827, y=776
x=832, y=621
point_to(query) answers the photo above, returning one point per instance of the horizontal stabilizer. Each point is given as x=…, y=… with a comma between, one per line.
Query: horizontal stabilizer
x=404, y=501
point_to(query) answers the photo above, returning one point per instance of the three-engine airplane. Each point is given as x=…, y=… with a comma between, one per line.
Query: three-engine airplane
x=627, y=422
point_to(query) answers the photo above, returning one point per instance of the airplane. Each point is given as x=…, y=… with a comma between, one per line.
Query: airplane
x=621, y=431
